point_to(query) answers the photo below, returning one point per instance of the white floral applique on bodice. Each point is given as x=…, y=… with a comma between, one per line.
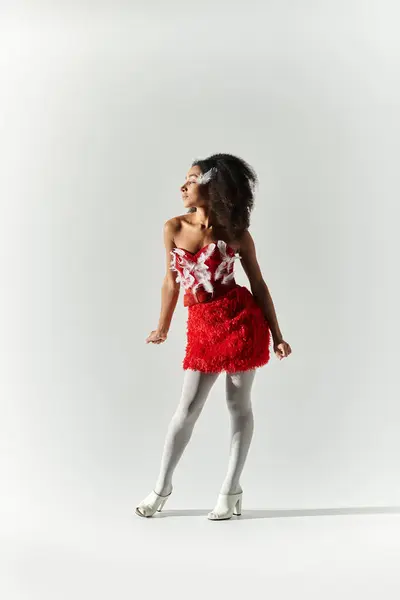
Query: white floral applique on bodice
x=204, y=268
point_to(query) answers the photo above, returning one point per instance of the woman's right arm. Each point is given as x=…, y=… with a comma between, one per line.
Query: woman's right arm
x=169, y=289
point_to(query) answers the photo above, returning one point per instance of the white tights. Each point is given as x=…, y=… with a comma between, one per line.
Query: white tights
x=195, y=390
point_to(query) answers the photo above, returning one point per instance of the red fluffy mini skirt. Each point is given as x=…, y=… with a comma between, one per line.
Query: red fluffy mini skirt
x=229, y=333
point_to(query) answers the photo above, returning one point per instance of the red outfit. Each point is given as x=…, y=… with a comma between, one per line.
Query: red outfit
x=226, y=328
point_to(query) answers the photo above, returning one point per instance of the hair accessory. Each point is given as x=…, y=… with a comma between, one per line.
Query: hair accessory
x=206, y=177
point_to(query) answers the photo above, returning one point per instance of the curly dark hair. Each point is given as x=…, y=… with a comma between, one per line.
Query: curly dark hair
x=231, y=191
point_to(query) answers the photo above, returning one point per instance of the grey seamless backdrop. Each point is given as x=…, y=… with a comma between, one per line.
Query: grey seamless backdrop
x=103, y=113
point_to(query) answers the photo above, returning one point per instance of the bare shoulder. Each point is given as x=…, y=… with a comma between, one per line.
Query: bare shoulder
x=249, y=260
x=171, y=228
x=171, y=225
x=246, y=242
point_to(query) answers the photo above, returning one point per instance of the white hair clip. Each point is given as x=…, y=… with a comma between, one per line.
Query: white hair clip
x=206, y=177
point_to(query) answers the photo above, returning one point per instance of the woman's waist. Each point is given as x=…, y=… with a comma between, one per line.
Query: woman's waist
x=200, y=295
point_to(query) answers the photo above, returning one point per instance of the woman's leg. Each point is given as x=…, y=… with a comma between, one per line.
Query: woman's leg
x=195, y=390
x=238, y=397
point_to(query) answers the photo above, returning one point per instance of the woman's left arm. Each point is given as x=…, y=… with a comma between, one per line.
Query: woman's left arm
x=261, y=293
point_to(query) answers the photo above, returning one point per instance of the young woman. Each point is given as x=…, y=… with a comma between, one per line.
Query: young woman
x=229, y=328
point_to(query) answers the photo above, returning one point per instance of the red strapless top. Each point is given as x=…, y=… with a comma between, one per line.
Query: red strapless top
x=206, y=274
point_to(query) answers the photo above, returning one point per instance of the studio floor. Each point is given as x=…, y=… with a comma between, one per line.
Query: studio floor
x=179, y=553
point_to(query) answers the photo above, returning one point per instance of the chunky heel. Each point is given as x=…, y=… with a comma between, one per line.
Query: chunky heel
x=227, y=505
x=162, y=504
x=238, y=507
x=151, y=504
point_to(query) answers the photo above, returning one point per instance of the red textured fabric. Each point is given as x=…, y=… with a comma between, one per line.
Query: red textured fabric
x=229, y=334
x=226, y=328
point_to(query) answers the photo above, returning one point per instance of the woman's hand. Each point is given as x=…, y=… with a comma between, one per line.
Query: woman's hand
x=157, y=337
x=281, y=349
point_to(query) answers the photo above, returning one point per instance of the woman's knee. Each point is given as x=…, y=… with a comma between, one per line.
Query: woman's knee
x=190, y=407
x=239, y=405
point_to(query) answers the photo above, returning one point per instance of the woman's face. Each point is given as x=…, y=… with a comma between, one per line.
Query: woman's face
x=192, y=192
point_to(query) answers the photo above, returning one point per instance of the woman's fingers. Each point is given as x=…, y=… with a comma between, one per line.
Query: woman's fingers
x=282, y=350
x=154, y=338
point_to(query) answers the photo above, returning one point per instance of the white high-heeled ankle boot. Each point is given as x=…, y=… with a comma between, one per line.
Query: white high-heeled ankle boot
x=227, y=505
x=151, y=504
